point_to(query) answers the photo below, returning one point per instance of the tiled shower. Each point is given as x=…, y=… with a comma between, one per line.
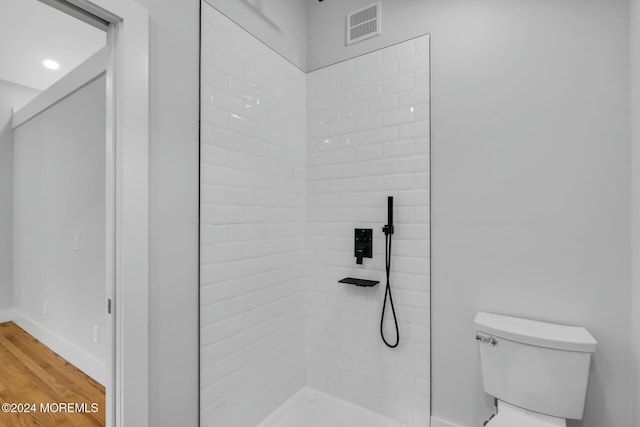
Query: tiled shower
x=291, y=164
x=252, y=226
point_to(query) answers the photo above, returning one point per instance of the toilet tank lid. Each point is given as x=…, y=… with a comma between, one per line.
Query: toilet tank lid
x=533, y=332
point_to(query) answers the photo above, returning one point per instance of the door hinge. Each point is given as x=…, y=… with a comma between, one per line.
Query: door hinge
x=109, y=306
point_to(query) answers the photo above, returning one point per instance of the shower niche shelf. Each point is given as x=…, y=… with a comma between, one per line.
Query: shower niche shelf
x=359, y=282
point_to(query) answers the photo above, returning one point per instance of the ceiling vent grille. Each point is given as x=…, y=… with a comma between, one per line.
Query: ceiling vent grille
x=363, y=23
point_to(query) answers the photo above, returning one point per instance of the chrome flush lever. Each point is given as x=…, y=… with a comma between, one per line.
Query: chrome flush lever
x=489, y=340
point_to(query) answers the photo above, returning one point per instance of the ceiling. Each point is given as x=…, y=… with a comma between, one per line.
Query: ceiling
x=31, y=32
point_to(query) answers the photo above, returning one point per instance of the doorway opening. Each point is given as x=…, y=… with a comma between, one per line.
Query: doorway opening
x=77, y=209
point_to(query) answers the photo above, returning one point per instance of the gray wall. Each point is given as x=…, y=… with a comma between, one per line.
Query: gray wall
x=173, y=364
x=281, y=24
x=531, y=187
x=11, y=96
x=59, y=192
x=530, y=178
x=635, y=200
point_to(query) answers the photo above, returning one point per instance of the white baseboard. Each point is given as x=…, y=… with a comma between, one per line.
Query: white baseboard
x=439, y=422
x=7, y=314
x=82, y=360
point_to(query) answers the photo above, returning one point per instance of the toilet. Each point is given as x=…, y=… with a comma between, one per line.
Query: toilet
x=537, y=371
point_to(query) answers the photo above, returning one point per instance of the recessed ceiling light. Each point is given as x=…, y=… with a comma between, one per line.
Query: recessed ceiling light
x=51, y=64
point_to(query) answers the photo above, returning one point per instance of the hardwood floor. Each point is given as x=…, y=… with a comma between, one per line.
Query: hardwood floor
x=32, y=374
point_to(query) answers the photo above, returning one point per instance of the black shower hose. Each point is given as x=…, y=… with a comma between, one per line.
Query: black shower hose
x=387, y=293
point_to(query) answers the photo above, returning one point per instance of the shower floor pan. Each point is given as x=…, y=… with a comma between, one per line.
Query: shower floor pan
x=312, y=408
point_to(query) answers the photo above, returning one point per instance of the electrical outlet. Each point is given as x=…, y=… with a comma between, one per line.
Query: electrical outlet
x=45, y=308
x=96, y=333
x=76, y=243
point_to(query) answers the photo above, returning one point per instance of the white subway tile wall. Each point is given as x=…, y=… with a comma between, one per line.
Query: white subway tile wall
x=290, y=165
x=368, y=138
x=252, y=226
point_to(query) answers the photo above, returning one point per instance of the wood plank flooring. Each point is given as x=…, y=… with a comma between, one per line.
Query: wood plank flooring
x=30, y=373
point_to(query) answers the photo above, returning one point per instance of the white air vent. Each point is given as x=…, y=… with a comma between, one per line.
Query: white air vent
x=363, y=23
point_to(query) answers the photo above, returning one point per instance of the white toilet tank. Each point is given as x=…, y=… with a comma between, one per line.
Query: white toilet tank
x=542, y=367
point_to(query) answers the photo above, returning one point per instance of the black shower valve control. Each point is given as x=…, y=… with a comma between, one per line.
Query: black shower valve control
x=363, y=244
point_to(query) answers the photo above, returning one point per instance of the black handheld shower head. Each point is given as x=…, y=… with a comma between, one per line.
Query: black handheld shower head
x=388, y=229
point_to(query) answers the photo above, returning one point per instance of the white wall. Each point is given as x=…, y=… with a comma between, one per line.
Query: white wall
x=368, y=138
x=252, y=225
x=530, y=180
x=173, y=209
x=281, y=24
x=635, y=201
x=59, y=193
x=11, y=96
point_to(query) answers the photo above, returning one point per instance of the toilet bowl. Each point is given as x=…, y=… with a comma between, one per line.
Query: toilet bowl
x=513, y=416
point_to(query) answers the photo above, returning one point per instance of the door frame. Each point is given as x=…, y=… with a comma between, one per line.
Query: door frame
x=127, y=203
